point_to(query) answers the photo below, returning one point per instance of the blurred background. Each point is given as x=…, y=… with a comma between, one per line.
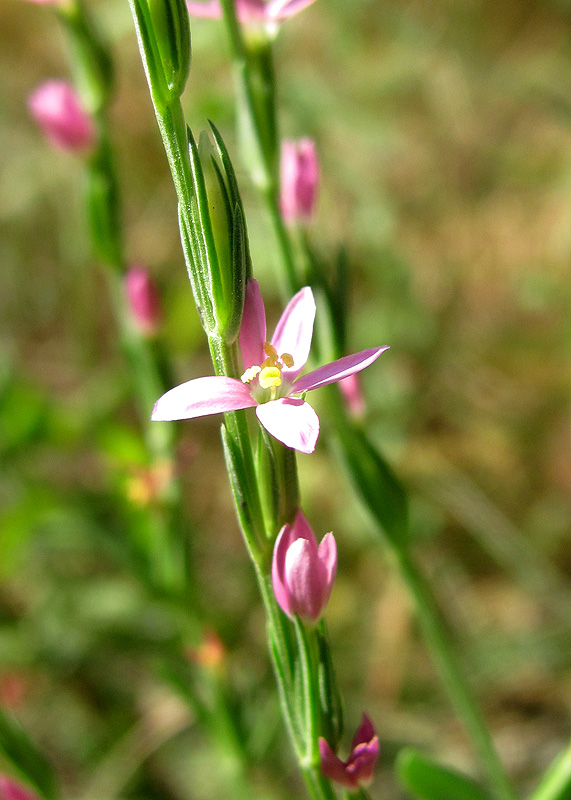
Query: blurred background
x=444, y=132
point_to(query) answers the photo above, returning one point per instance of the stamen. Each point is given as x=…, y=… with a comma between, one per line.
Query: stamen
x=250, y=374
x=286, y=360
x=271, y=353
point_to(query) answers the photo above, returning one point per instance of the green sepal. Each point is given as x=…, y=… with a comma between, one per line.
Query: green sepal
x=171, y=28
x=150, y=54
x=429, y=781
x=238, y=481
x=239, y=271
x=375, y=480
x=19, y=749
x=202, y=300
x=233, y=190
x=91, y=58
x=268, y=482
x=329, y=696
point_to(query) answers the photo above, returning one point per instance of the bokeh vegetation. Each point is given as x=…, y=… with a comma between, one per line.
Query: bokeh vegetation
x=444, y=131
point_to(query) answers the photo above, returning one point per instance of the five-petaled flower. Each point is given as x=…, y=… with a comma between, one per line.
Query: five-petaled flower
x=271, y=376
x=302, y=570
x=358, y=769
x=250, y=12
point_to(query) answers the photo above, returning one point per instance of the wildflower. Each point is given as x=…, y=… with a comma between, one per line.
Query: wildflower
x=58, y=110
x=250, y=12
x=358, y=769
x=302, y=571
x=270, y=379
x=12, y=790
x=299, y=179
x=143, y=299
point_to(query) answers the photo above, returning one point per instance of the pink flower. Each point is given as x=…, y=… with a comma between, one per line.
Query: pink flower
x=359, y=767
x=11, y=790
x=46, y=2
x=302, y=571
x=271, y=375
x=250, y=12
x=57, y=109
x=299, y=180
x=143, y=299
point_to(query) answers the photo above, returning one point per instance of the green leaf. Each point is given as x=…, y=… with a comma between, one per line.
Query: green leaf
x=25, y=756
x=556, y=783
x=375, y=480
x=429, y=781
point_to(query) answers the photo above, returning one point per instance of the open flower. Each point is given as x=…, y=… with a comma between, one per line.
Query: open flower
x=358, y=769
x=250, y=12
x=303, y=571
x=271, y=376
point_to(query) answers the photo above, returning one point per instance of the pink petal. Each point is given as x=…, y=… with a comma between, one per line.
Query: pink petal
x=336, y=370
x=285, y=538
x=253, y=328
x=327, y=553
x=203, y=396
x=291, y=421
x=210, y=10
x=302, y=529
x=283, y=9
x=362, y=762
x=294, y=331
x=304, y=577
x=365, y=732
x=331, y=765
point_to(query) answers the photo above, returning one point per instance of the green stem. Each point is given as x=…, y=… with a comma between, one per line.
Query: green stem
x=437, y=639
x=429, y=616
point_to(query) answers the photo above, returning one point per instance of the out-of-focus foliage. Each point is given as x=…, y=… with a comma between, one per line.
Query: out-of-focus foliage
x=444, y=131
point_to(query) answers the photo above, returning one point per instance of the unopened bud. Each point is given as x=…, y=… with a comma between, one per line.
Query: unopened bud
x=299, y=175
x=58, y=110
x=144, y=301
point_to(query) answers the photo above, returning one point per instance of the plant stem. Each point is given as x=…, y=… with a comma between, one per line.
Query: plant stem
x=438, y=641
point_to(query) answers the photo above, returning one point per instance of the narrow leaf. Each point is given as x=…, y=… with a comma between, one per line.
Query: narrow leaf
x=429, y=781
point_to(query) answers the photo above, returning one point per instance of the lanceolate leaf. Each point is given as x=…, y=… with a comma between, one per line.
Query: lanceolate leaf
x=26, y=757
x=429, y=781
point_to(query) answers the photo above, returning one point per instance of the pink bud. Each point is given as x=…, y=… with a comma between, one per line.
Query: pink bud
x=352, y=394
x=144, y=301
x=299, y=180
x=359, y=768
x=302, y=571
x=58, y=110
x=11, y=790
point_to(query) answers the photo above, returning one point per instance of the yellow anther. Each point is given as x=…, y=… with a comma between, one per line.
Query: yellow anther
x=270, y=377
x=286, y=360
x=250, y=374
x=271, y=353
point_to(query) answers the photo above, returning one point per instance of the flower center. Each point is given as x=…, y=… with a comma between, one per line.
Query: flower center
x=269, y=372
